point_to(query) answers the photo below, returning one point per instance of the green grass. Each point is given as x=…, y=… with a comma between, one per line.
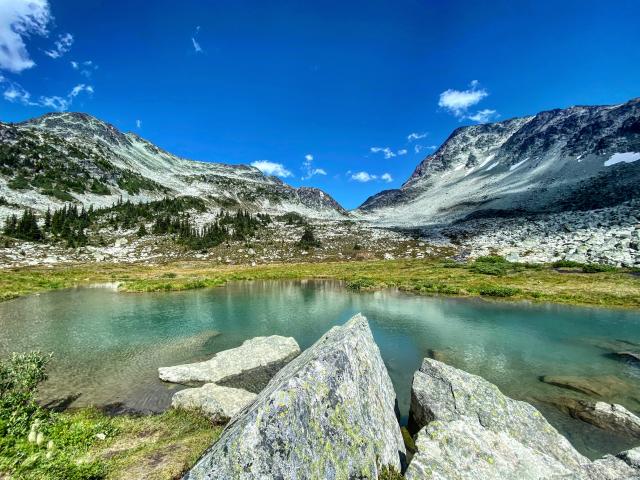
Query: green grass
x=150, y=446
x=611, y=288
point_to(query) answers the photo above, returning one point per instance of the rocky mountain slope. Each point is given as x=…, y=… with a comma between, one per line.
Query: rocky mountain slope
x=74, y=157
x=577, y=159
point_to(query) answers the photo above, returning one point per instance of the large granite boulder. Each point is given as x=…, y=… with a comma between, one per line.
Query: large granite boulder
x=329, y=414
x=467, y=429
x=218, y=403
x=249, y=366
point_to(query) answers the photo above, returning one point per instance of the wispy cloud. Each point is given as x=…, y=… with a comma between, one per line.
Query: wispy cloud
x=138, y=123
x=412, y=137
x=18, y=20
x=309, y=170
x=272, y=168
x=63, y=103
x=15, y=93
x=458, y=103
x=420, y=148
x=196, y=45
x=402, y=151
x=61, y=46
x=483, y=116
x=365, y=177
x=388, y=153
x=85, y=68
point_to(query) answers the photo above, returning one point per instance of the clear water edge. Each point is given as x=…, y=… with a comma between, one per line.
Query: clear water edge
x=107, y=345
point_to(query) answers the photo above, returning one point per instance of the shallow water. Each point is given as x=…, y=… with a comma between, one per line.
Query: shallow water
x=107, y=345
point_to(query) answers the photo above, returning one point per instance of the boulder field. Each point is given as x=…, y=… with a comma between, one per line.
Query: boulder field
x=331, y=413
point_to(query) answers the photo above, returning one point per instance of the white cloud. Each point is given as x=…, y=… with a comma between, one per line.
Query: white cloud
x=18, y=20
x=307, y=167
x=402, y=151
x=63, y=103
x=271, y=168
x=483, y=116
x=363, y=177
x=388, y=153
x=86, y=68
x=196, y=45
x=138, y=123
x=457, y=102
x=419, y=148
x=61, y=46
x=15, y=93
x=416, y=136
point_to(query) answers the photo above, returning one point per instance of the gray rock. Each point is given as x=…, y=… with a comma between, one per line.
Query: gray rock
x=469, y=430
x=249, y=366
x=329, y=414
x=609, y=416
x=218, y=403
x=445, y=394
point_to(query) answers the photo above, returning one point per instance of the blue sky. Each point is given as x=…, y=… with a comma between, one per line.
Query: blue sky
x=324, y=93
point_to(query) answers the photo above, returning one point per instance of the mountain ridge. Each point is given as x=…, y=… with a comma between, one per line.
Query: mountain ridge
x=61, y=157
x=560, y=159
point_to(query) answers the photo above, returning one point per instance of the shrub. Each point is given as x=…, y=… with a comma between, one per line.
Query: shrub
x=496, y=291
x=566, y=264
x=389, y=472
x=597, y=268
x=360, y=284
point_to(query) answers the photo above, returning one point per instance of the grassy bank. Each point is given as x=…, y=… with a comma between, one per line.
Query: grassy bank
x=39, y=443
x=490, y=278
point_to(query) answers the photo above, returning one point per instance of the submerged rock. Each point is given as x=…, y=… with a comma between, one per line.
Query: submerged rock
x=329, y=414
x=218, y=403
x=467, y=429
x=249, y=366
x=606, y=386
x=607, y=416
x=627, y=356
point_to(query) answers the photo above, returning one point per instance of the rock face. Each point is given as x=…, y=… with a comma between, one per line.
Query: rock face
x=469, y=430
x=219, y=403
x=249, y=366
x=329, y=414
x=579, y=158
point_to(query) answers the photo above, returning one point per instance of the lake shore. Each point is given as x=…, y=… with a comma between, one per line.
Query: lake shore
x=506, y=281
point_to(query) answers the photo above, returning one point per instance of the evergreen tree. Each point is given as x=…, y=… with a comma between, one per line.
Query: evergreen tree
x=308, y=239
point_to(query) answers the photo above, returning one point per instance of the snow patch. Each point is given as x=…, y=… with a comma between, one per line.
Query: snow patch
x=490, y=167
x=513, y=167
x=626, y=157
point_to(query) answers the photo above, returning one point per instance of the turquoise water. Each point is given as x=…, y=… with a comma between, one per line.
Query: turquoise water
x=107, y=346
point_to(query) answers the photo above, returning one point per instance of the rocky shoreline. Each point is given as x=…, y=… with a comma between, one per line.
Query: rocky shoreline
x=331, y=413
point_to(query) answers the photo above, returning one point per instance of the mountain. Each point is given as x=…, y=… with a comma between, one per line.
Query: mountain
x=575, y=159
x=74, y=157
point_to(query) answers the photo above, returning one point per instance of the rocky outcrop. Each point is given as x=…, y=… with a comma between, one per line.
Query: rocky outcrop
x=218, y=403
x=328, y=414
x=249, y=366
x=467, y=429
